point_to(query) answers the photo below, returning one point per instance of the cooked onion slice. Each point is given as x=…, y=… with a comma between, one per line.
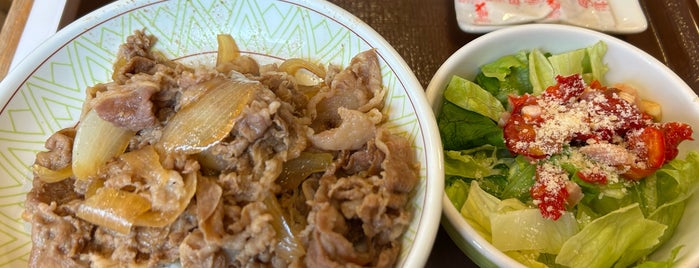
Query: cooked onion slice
x=154, y=218
x=145, y=163
x=210, y=209
x=112, y=208
x=94, y=185
x=96, y=142
x=227, y=49
x=298, y=169
x=169, y=193
x=292, y=65
x=289, y=245
x=49, y=175
x=209, y=119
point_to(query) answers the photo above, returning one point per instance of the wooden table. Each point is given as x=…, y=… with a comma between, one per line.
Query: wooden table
x=425, y=34
x=28, y=24
x=12, y=31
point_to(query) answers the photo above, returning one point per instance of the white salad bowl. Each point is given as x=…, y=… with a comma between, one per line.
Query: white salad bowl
x=45, y=92
x=627, y=64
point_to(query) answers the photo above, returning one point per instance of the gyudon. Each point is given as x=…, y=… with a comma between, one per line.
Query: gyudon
x=234, y=165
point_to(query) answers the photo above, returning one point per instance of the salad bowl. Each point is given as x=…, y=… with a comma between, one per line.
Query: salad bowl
x=626, y=64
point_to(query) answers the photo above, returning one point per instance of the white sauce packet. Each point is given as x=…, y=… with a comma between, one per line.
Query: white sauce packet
x=501, y=12
x=595, y=14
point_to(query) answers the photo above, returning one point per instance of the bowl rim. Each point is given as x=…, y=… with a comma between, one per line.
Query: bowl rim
x=452, y=220
x=426, y=229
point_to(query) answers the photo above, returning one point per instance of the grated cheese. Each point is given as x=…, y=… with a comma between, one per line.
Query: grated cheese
x=562, y=116
x=562, y=121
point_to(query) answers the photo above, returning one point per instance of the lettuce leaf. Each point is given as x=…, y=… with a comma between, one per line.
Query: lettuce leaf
x=477, y=209
x=586, y=61
x=501, y=176
x=526, y=229
x=614, y=239
x=528, y=258
x=520, y=179
x=474, y=163
x=502, y=67
x=472, y=97
x=597, y=67
x=669, y=263
x=664, y=194
x=461, y=129
x=506, y=76
x=541, y=72
x=568, y=63
x=457, y=192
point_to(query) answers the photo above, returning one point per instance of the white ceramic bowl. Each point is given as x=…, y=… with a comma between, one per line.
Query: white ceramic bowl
x=626, y=64
x=45, y=92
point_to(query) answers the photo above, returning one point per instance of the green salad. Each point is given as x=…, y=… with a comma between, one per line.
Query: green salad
x=556, y=168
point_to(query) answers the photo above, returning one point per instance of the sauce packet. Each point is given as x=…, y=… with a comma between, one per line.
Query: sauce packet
x=499, y=12
x=595, y=14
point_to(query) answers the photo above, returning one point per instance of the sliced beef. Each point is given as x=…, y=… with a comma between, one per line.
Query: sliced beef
x=62, y=237
x=128, y=106
x=367, y=160
x=358, y=87
x=146, y=246
x=284, y=86
x=357, y=219
x=60, y=193
x=196, y=252
x=400, y=165
x=60, y=150
x=355, y=129
x=137, y=46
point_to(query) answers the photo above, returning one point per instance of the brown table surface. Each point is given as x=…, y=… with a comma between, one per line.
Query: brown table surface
x=425, y=34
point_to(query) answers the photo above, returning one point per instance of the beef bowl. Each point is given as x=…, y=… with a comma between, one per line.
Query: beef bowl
x=548, y=156
x=217, y=133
